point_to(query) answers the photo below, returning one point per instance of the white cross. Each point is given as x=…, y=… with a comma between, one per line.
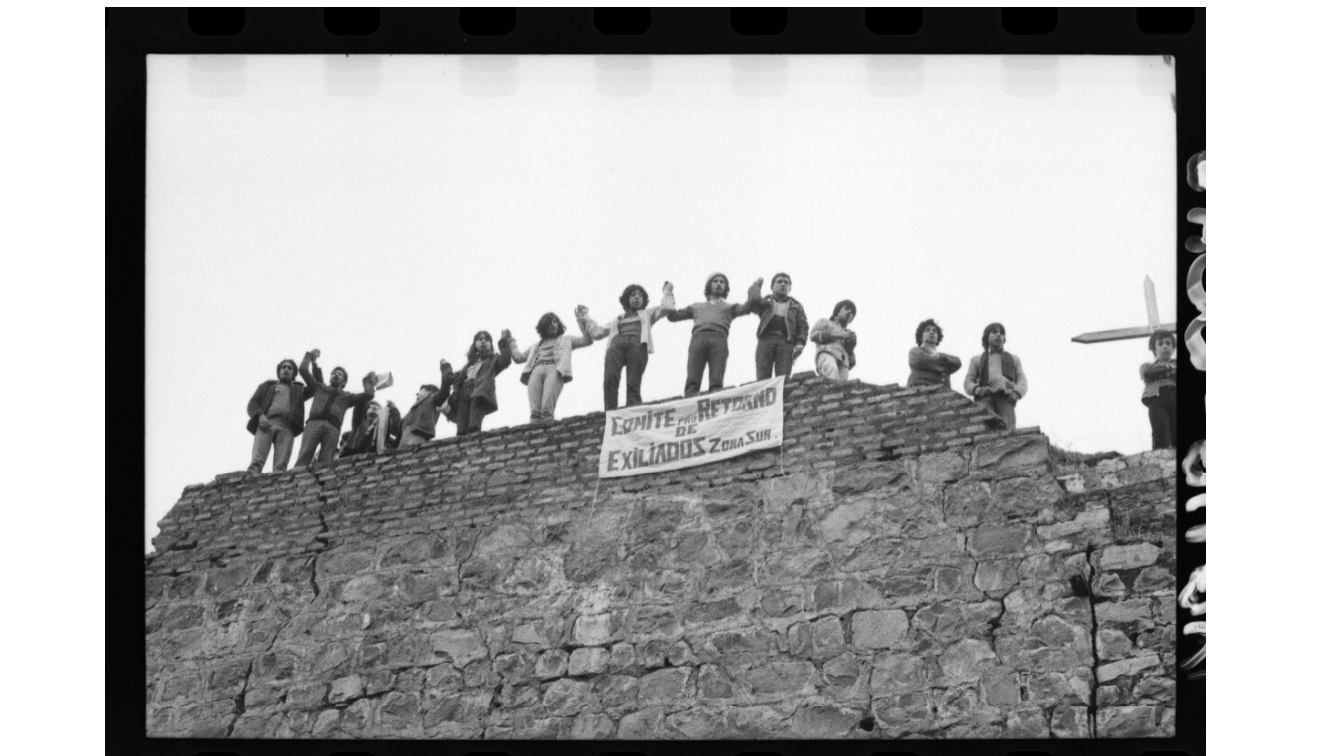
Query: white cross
x=1140, y=332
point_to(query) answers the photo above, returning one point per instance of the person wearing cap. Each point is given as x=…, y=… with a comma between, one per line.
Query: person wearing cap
x=995, y=379
x=781, y=335
x=419, y=421
x=1159, y=388
x=327, y=412
x=630, y=347
x=709, y=337
x=835, y=342
x=373, y=428
x=928, y=366
x=275, y=415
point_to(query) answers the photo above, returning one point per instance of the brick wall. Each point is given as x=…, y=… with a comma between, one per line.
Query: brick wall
x=899, y=568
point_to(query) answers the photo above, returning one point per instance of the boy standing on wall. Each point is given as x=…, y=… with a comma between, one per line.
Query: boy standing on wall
x=1159, y=388
x=709, y=337
x=782, y=333
x=995, y=379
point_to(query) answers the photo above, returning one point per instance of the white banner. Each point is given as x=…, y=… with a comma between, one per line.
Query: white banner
x=695, y=431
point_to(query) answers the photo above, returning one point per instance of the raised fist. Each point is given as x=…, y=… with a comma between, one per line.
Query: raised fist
x=445, y=366
x=316, y=353
x=580, y=312
x=759, y=282
x=667, y=287
x=504, y=335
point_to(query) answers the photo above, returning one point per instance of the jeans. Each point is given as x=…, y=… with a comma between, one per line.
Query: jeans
x=543, y=390
x=314, y=433
x=1001, y=405
x=632, y=354
x=470, y=413
x=773, y=353
x=278, y=435
x=829, y=367
x=706, y=347
x=1162, y=417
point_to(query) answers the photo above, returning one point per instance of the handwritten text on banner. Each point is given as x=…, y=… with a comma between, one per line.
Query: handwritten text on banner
x=695, y=431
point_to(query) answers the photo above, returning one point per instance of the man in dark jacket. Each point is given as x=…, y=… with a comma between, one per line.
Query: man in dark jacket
x=275, y=415
x=373, y=429
x=417, y=426
x=782, y=333
x=328, y=409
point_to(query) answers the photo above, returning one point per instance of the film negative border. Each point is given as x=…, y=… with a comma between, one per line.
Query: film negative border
x=133, y=33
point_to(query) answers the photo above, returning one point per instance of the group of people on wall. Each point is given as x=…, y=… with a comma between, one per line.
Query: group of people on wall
x=994, y=379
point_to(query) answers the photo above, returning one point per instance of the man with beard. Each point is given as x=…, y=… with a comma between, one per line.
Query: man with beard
x=327, y=412
x=709, y=336
x=275, y=414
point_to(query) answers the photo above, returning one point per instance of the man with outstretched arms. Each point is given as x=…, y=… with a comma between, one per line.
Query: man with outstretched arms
x=709, y=337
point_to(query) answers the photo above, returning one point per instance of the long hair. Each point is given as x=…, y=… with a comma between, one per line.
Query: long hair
x=629, y=291
x=292, y=364
x=992, y=327
x=541, y=325
x=842, y=304
x=473, y=356
x=712, y=276
x=919, y=331
x=1160, y=333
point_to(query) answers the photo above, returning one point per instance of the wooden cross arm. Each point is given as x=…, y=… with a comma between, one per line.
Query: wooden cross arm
x=1120, y=334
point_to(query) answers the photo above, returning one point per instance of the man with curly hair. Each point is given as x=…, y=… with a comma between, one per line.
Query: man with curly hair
x=630, y=347
x=929, y=367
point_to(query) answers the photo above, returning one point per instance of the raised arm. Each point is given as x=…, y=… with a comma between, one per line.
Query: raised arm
x=365, y=396
x=579, y=342
x=668, y=304
x=446, y=376
x=509, y=348
x=313, y=378
x=589, y=326
x=754, y=303
x=685, y=313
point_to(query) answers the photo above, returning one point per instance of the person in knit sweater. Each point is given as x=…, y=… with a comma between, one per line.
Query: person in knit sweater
x=630, y=347
x=835, y=342
x=473, y=394
x=709, y=337
x=781, y=335
x=275, y=415
x=1159, y=388
x=548, y=365
x=929, y=367
x=328, y=409
x=995, y=379
x=419, y=421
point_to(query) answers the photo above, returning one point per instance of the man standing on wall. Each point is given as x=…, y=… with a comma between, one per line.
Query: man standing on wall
x=275, y=414
x=995, y=379
x=328, y=409
x=709, y=337
x=419, y=421
x=782, y=333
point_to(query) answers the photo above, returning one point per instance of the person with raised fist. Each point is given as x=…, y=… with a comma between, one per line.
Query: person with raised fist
x=419, y=421
x=630, y=347
x=327, y=413
x=782, y=333
x=709, y=337
x=473, y=394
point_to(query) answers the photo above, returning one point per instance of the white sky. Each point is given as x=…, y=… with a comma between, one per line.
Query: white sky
x=383, y=209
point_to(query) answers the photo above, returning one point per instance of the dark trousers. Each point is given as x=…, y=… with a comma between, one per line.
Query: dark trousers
x=709, y=348
x=630, y=353
x=279, y=435
x=470, y=413
x=1162, y=416
x=773, y=353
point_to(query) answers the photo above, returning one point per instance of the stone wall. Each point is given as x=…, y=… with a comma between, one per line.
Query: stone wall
x=899, y=569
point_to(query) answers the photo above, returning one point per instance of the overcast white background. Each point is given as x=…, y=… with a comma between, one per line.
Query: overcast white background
x=383, y=209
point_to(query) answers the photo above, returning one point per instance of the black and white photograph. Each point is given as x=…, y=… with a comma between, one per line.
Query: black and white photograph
x=652, y=397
